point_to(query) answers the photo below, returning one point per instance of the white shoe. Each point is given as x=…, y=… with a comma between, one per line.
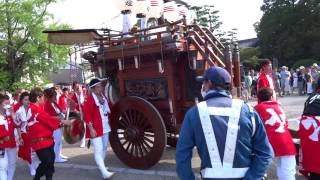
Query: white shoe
x=83, y=145
x=60, y=160
x=63, y=156
x=32, y=172
x=109, y=175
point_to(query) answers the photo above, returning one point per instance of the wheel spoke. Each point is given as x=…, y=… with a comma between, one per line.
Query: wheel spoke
x=149, y=135
x=136, y=150
x=148, y=140
x=124, y=142
x=120, y=132
x=123, y=123
x=127, y=117
x=143, y=147
x=147, y=145
x=130, y=143
x=140, y=149
x=134, y=117
x=130, y=115
x=132, y=148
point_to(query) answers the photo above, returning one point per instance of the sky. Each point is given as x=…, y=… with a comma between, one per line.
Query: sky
x=82, y=14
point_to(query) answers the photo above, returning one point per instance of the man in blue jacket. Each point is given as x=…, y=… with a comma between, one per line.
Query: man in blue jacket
x=229, y=136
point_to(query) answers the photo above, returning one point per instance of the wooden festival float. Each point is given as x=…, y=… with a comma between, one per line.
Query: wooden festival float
x=152, y=81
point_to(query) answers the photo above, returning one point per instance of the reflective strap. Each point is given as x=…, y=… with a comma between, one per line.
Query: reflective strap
x=218, y=111
x=209, y=135
x=253, y=120
x=232, y=134
x=224, y=173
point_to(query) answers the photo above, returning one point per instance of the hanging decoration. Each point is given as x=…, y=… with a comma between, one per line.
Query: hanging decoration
x=141, y=8
x=126, y=7
x=156, y=9
x=183, y=11
x=170, y=11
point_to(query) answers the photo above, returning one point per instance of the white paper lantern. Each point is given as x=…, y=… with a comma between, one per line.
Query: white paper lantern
x=124, y=5
x=191, y=17
x=156, y=9
x=183, y=11
x=141, y=7
x=170, y=11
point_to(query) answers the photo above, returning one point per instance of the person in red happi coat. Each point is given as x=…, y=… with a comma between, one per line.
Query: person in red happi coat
x=265, y=78
x=53, y=109
x=276, y=125
x=96, y=115
x=77, y=100
x=63, y=99
x=23, y=114
x=40, y=128
x=309, y=133
x=8, y=147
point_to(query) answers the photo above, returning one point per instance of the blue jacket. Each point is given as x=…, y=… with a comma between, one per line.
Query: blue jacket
x=253, y=151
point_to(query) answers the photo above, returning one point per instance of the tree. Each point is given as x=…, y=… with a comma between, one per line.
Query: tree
x=207, y=16
x=24, y=49
x=289, y=30
x=249, y=56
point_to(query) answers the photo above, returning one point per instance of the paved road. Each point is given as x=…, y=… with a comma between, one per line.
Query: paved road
x=81, y=165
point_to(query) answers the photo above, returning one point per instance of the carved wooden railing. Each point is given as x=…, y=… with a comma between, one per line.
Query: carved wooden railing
x=207, y=48
x=217, y=42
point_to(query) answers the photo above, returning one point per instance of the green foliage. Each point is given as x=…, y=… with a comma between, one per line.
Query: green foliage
x=24, y=49
x=249, y=56
x=289, y=30
x=207, y=16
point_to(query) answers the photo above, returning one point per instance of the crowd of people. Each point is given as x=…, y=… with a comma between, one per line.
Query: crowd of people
x=236, y=141
x=31, y=126
x=300, y=81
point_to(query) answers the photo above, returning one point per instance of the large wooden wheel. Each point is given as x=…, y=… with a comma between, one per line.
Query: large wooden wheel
x=138, y=134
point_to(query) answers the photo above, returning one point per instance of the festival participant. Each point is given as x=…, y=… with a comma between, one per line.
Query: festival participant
x=8, y=149
x=52, y=108
x=309, y=133
x=275, y=123
x=96, y=115
x=229, y=135
x=23, y=114
x=15, y=97
x=265, y=78
x=63, y=99
x=40, y=129
x=78, y=98
x=78, y=95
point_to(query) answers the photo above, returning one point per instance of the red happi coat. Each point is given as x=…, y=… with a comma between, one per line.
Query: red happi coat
x=75, y=99
x=7, y=127
x=48, y=108
x=309, y=133
x=265, y=81
x=24, y=151
x=91, y=114
x=276, y=127
x=62, y=102
x=41, y=126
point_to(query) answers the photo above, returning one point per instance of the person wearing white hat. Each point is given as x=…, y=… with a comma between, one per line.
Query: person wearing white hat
x=96, y=113
x=315, y=73
x=285, y=78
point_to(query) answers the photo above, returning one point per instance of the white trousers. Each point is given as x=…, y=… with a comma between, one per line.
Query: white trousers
x=57, y=135
x=12, y=160
x=34, y=163
x=8, y=164
x=286, y=167
x=4, y=166
x=100, y=151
